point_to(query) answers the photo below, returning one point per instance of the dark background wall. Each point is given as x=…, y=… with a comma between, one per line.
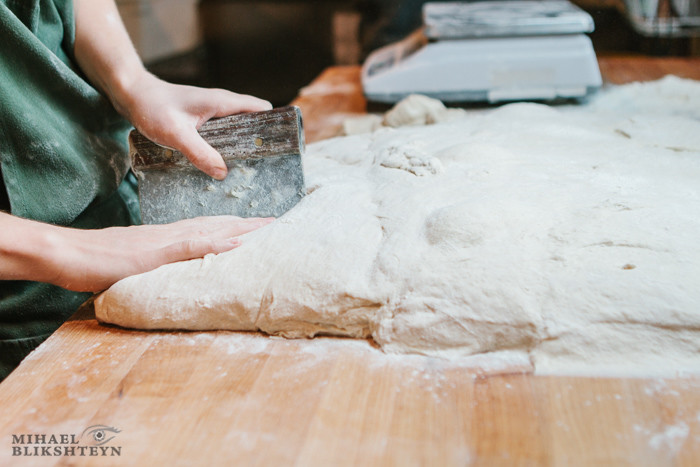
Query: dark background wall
x=272, y=48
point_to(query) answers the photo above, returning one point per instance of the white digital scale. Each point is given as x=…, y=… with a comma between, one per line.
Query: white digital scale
x=489, y=51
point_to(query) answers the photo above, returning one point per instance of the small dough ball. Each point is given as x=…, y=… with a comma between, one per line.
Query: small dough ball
x=414, y=110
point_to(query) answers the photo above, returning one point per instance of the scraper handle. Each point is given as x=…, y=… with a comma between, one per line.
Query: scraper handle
x=254, y=135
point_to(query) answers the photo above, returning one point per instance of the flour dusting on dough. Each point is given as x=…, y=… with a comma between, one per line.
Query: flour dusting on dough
x=567, y=235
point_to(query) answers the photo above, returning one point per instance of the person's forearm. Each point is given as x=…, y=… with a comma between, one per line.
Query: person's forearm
x=104, y=51
x=165, y=113
x=25, y=249
x=92, y=260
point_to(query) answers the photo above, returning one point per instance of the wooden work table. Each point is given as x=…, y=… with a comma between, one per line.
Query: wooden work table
x=224, y=398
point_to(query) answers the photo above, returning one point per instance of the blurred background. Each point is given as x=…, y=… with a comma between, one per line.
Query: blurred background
x=272, y=48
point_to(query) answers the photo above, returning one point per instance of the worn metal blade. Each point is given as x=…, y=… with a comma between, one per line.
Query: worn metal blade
x=253, y=188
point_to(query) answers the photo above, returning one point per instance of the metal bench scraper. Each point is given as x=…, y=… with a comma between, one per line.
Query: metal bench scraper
x=262, y=151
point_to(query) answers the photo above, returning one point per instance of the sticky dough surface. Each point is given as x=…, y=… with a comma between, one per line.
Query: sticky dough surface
x=570, y=234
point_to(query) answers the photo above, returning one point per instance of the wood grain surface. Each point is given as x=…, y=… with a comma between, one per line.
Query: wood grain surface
x=254, y=135
x=225, y=398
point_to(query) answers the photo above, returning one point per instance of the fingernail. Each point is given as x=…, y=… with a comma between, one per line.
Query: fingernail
x=220, y=173
x=234, y=241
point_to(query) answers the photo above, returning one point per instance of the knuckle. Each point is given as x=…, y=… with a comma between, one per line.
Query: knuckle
x=189, y=248
x=185, y=248
x=196, y=248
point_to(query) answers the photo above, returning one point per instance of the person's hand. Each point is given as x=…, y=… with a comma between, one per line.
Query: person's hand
x=97, y=259
x=166, y=113
x=170, y=115
x=93, y=260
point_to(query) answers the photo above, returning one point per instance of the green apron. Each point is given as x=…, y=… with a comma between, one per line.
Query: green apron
x=63, y=158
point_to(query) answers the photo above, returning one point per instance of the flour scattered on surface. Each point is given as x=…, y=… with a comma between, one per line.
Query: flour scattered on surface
x=671, y=438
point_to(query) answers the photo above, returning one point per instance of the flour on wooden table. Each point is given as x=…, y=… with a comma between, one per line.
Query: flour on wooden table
x=568, y=234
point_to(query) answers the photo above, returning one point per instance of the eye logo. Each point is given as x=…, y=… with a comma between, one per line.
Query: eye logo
x=99, y=434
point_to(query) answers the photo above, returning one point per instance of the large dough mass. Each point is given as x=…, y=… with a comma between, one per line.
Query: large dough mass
x=569, y=233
